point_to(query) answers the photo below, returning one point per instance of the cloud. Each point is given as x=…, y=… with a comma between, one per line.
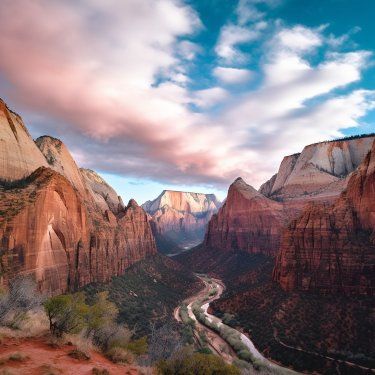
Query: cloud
x=209, y=97
x=233, y=35
x=113, y=81
x=232, y=75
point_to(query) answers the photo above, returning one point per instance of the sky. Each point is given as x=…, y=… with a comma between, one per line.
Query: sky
x=188, y=94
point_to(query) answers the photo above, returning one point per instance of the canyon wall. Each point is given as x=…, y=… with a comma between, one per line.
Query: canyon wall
x=331, y=248
x=316, y=215
x=179, y=219
x=248, y=221
x=61, y=225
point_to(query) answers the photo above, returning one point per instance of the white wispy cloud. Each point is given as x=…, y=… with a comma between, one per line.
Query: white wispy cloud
x=232, y=75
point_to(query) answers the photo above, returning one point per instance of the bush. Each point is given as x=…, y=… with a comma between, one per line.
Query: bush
x=66, y=313
x=138, y=346
x=185, y=362
x=111, y=335
x=69, y=313
x=21, y=297
x=117, y=354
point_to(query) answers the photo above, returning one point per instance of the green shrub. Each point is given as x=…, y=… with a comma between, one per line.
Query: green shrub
x=185, y=362
x=117, y=354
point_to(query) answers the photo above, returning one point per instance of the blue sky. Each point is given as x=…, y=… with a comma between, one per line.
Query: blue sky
x=188, y=95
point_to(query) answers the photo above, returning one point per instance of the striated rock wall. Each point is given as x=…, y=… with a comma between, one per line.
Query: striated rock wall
x=319, y=170
x=63, y=226
x=248, y=221
x=331, y=248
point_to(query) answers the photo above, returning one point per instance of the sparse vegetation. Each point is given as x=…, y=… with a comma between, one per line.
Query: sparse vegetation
x=185, y=362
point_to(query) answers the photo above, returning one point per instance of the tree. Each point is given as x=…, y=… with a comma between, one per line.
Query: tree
x=66, y=313
x=101, y=314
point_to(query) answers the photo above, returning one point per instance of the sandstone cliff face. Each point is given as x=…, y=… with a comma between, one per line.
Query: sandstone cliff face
x=63, y=226
x=19, y=156
x=248, y=221
x=179, y=219
x=332, y=248
x=103, y=194
x=60, y=160
x=319, y=170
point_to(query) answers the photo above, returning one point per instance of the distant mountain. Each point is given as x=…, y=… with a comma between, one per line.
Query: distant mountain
x=63, y=226
x=179, y=219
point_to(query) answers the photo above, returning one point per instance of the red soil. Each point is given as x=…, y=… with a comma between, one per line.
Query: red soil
x=42, y=356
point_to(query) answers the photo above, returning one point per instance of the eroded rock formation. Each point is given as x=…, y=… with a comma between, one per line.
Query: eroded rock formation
x=63, y=226
x=248, y=221
x=319, y=170
x=331, y=248
x=179, y=219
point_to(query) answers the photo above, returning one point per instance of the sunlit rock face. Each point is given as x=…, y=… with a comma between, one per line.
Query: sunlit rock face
x=319, y=170
x=19, y=156
x=332, y=248
x=179, y=219
x=248, y=221
x=63, y=226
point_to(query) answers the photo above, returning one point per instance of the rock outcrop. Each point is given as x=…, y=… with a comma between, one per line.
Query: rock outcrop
x=319, y=170
x=19, y=156
x=103, y=194
x=63, y=226
x=331, y=248
x=248, y=221
x=179, y=219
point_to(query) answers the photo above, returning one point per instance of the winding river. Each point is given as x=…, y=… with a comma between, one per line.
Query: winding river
x=218, y=285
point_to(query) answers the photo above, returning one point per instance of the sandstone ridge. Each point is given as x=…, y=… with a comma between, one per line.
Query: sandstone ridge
x=63, y=226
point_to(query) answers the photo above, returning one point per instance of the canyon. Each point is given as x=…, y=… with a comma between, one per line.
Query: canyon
x=61, y=225
x=331, y=248
x=315, y=215
x=179, y=219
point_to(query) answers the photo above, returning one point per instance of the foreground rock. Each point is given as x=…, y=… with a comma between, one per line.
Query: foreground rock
x=63, y=226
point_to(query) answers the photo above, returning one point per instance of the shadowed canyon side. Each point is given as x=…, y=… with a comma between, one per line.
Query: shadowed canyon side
x=332, y=248
x=179, y=219
x=63, y=226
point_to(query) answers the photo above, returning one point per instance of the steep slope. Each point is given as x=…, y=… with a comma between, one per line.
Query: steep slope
x=54, y=227
x=248, y=221
x=332, y=248
x=19, y=156
x=60, y=160
x=319, y=169
x=104, y=195
x=179, y=219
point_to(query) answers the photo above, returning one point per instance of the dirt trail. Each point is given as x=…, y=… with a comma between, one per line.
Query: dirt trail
x=43, y=357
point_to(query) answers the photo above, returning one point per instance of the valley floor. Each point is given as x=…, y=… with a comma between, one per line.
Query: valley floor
x=309, y=332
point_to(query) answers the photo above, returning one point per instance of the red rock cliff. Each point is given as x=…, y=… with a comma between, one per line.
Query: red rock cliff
x=247, y=221
x=54, y=227
x=332, y=248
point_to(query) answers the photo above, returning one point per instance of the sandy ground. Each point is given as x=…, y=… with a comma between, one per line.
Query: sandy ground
x=43, y=357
